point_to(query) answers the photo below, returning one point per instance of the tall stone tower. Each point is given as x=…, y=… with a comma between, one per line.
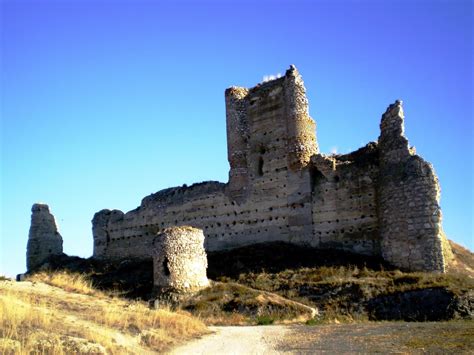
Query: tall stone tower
x=270, y=141
x=269, y=131
x=44, y=239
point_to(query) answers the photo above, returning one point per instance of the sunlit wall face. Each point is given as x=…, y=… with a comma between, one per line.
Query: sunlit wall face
x=104, y=102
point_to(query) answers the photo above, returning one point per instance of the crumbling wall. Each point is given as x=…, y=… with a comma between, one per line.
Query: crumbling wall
x=410, y=215
x=179, y=260
x=344, y=189
x=102, y=223
x=44, y=239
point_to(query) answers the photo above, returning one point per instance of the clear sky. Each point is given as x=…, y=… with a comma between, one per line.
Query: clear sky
x=105, y=102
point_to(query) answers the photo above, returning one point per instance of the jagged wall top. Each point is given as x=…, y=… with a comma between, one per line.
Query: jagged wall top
x=393, y=143
x=257, y=118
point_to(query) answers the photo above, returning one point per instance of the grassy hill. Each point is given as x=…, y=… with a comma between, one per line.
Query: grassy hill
x=340, y=285
x=68, y=316
x=58, y=311
x=350, y=287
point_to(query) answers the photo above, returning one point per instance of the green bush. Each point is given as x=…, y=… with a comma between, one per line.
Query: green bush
x=265, y=320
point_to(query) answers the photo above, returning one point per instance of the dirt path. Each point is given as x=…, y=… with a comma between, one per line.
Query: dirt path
x=454, y=337
x=238, y=340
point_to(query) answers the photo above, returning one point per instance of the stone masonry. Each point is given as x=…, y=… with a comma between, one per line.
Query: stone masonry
x=409, y=193
x=179, y=260
x=380, y=200
x=44, y=239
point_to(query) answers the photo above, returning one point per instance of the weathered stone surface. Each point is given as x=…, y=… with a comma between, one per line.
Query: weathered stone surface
x=381, y=200
x=408, y=198
x=179, y=260
x=44, y=239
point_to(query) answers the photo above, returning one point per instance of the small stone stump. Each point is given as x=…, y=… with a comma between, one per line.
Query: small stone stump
x=179, y=260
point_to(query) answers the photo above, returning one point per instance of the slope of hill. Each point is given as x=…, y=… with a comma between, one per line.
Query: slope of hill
x=339, y=284
x=40, y=318
x=463, y=260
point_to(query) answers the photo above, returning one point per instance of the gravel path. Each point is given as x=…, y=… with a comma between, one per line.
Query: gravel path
x=238, y=340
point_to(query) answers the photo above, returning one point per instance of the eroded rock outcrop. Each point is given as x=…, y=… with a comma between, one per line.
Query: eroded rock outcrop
x=44, y=239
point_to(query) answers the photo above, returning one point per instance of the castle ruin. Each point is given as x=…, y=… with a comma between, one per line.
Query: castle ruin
x=44, y=239
x=381, y=200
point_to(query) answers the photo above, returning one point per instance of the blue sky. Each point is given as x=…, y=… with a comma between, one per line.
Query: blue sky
x=105, y=102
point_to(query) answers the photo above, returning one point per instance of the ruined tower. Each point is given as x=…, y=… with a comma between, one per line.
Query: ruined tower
x=270, y=140
x=409, y=193
x=179, y=260
x=44, y=239
x=269, y=130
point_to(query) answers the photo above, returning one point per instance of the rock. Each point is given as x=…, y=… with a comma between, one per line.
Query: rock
x=44, y=239
x=430, y=304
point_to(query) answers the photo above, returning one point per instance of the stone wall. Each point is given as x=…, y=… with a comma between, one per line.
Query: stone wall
x=379, y=200
x=344, y=201
x=44, y=239
x=179, y=260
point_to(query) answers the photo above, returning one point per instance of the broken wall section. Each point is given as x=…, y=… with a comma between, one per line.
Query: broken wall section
x=410, y=214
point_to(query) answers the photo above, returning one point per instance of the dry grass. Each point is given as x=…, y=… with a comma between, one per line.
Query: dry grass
x=234, y=304
x=27, y=327
x=340, y=291
x=37, y=318
x=463, y=261
x=389, y=281
x=66, y=280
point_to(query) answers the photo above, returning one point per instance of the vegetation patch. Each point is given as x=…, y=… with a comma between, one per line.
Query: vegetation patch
x=226, y=303
x=346, y=292
x=344, y=287
x=68, y=281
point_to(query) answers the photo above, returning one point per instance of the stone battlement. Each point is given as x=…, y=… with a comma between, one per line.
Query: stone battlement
x=381, y=200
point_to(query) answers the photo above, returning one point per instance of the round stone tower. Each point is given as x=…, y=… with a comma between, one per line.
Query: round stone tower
x=180, y=261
